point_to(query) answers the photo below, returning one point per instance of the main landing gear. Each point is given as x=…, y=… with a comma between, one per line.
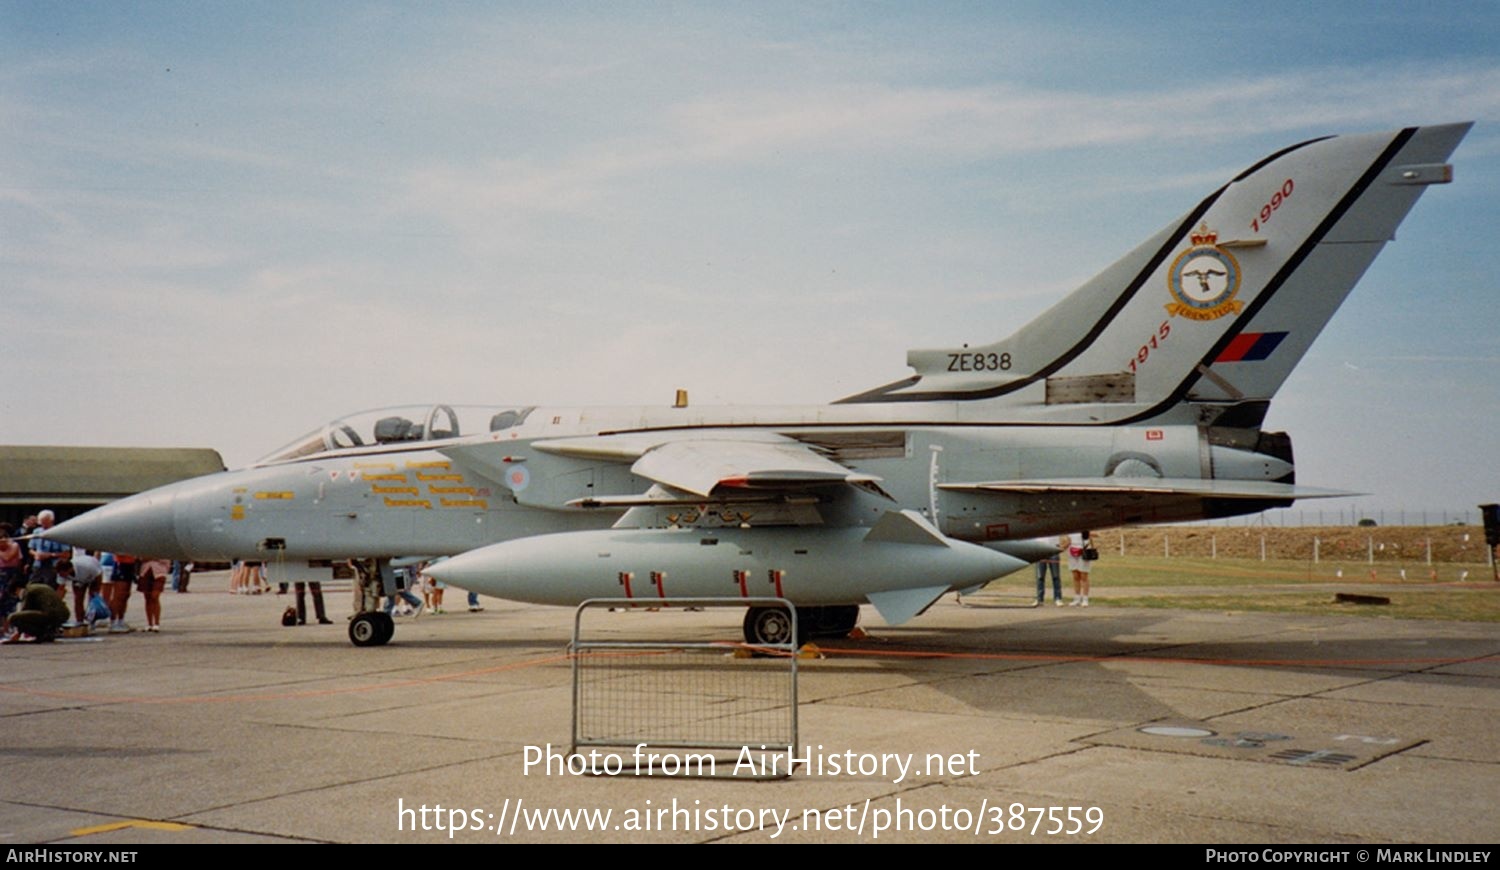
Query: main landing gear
x=772, y=626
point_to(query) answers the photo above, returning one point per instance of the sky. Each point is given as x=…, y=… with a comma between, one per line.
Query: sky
x=224, y=224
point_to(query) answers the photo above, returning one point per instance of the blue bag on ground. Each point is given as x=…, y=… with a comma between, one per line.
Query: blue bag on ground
x=97, y=608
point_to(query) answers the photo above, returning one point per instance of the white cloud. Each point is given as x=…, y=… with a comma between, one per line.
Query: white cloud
x=850, y=123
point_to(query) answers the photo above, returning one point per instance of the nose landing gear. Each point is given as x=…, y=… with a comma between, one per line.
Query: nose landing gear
x=372, y=628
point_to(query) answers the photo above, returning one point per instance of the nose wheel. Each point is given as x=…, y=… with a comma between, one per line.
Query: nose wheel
x=373, y=628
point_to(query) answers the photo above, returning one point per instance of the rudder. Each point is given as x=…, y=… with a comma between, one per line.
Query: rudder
x=1217, y=307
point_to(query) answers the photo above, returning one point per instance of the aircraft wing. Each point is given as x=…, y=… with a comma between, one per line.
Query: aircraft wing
x=701, y=466
x=693, y=463
x=1157, y=486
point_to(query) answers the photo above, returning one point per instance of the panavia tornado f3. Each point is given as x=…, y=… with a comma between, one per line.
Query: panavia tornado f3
x=1138, y=398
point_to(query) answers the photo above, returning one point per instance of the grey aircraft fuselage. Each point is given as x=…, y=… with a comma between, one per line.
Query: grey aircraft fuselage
x=410, y=498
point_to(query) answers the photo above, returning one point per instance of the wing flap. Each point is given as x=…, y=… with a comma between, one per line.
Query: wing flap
x=1251, y=489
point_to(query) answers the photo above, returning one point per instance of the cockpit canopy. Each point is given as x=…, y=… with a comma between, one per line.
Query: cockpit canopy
x=399, y=425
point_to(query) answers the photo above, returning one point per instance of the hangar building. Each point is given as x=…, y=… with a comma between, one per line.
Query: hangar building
x=72, y=480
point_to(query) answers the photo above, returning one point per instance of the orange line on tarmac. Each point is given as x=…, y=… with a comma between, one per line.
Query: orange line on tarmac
x=279, y=696
x=133, y=823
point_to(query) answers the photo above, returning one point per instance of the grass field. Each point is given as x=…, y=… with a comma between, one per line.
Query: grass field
x=1444, y=591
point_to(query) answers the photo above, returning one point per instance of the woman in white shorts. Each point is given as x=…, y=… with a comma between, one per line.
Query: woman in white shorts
x=1080, y=568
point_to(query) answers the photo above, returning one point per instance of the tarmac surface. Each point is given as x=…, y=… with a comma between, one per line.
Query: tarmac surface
x=1151, y=725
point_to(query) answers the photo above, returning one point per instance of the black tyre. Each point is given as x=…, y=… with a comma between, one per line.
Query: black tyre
x=768, y=626
x=833, y=621
x=370, y=629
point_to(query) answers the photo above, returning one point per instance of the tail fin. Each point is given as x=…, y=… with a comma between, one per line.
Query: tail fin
x=1219, y=306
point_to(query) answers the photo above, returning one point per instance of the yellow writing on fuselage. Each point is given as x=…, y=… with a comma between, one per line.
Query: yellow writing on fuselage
x=408, y=502
x=283, y=495
x=394, y=490
x=431, y=463
x=454, y=477
x=400, y=477
x=450, y=490
x=466, y=503
x=388, y=466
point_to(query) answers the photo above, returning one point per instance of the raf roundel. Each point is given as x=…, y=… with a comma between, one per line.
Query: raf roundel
x=1204, y=279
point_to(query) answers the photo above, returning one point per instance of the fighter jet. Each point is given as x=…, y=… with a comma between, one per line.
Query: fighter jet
x=1138, y=398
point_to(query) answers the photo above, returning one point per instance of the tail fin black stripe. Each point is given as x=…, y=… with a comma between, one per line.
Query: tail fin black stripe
x=1277, y=156
x=885, y=393
x=881, y=394
x=1288, y=269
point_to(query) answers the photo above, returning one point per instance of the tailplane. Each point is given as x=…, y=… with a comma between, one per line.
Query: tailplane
x=1217, y=307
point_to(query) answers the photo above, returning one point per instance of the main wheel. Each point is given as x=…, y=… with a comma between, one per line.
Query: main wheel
x=371, y=629
x=829, y=621
x=768, y=626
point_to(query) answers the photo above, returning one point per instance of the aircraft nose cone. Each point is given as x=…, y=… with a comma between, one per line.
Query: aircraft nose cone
x=142, y=525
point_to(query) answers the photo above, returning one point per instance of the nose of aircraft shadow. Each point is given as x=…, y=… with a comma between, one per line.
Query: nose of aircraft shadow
x=142, y=524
